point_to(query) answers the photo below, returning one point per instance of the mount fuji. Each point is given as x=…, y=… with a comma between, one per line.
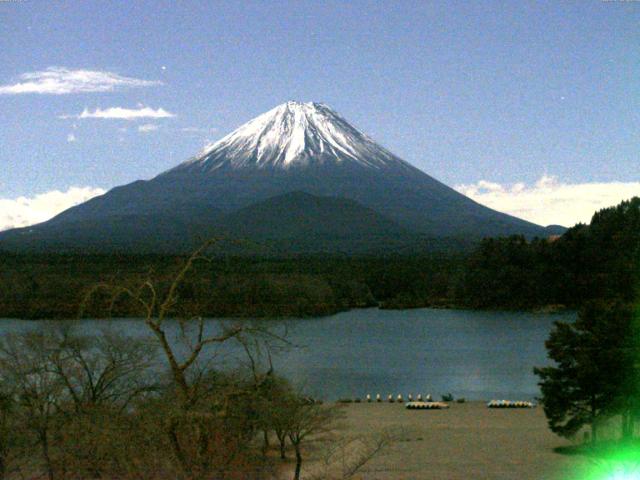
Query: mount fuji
x=298, y=178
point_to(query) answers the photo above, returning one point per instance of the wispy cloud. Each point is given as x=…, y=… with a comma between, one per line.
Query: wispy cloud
x=148, y=127
x=71, y=138
x=199, y=130
x=550, y=201
x=120, y=113
x=25, y=211
x=61, y=81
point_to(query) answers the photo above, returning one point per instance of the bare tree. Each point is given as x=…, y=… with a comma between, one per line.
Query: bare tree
x=306, y=418
x=109, y=369
x=26, y=366
x=8, y=432
x=270, y=389
x=62, y=386
x=194, y=425
x=275, y=399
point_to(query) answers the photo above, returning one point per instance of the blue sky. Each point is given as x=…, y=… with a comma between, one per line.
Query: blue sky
x=497, y=98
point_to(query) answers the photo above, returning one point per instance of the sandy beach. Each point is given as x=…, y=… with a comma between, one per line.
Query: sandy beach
x=467, y=441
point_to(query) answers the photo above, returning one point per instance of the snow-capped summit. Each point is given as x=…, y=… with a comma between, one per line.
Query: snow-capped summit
x=299, y=174
x=292, y=135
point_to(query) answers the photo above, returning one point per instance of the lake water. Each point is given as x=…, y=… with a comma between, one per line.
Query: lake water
x=471, y=354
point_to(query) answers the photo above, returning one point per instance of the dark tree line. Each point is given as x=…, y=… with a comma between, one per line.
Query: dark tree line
x=588, y=262
x=596, y=372
x=51, y=286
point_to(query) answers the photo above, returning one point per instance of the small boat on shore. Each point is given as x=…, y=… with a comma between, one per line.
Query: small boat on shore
x=426, y=405
x=510, y=404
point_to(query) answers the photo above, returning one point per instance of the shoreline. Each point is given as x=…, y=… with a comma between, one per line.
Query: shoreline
x=467, y=440
x=545, y=310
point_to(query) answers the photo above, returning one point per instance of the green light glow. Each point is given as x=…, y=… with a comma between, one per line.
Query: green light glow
x=615, y=463
x=622, y=474
x=620, y=459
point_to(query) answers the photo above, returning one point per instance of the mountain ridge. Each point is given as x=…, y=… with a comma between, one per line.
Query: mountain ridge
x=295, y=147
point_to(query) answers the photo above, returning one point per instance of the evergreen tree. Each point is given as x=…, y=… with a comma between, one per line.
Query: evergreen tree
x=595, y=371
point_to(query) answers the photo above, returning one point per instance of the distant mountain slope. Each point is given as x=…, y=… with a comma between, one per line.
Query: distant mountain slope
x=555, y=229
x=291, y=223
x=296, y=147
x=138, y=233
x=302, y=222
x=299, y=214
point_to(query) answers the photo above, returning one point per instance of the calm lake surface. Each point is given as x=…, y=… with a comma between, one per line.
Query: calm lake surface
x=476, y=355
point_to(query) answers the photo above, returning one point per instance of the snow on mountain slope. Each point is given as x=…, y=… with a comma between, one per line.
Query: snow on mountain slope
x=294, y=135
x=295, y=147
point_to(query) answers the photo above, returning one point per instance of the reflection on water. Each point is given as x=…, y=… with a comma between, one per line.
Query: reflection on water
x=478, y=355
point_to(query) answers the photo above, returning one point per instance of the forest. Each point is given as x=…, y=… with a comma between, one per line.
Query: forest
x=593, y=380
x=587, y=262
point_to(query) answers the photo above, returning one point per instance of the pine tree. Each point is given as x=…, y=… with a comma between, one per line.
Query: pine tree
x=595, y=371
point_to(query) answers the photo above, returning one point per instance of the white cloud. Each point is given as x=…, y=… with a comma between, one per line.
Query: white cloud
x=120, y=113
x=148, y=127
x=25, y=211
x=550, y=201
x=71, y=138
x=199, y=130
x=60, y=81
